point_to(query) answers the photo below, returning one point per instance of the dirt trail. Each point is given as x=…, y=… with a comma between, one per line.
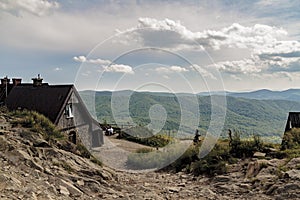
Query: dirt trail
x=127, y=145
x=114, y=153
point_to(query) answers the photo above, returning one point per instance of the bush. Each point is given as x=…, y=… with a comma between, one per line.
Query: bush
x=144, y=150
x=245, y=148
x=83, y=151
x=145, y=136
x=291, y=139
x=189, y=156
x=37, y=123
x=214, y=162
x=96, y=161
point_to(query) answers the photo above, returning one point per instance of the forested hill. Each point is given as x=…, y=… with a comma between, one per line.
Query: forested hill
x=264, y=94
x=251, y=116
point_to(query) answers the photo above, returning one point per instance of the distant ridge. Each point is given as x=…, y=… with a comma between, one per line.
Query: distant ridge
x=264, y=94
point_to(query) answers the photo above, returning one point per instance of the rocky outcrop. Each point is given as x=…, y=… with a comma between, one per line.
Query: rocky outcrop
x=32, y=168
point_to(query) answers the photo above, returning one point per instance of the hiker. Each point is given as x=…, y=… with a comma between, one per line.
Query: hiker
x=196, y=138
x=105, y=129
x=110, y=131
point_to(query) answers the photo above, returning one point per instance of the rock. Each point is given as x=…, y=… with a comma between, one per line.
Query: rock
x=80, y=182
x=146, y=184
x=293, y=174
x=207, y=193
x=64, y=191
x=34, y=165
x=259, y=155
x=222, y=178
x=254, y=167
x=181, y=185
x=41, y=143
x=293, y=163
x=173, y=189
x=245, y=186
x=291, y=186
x=71, y=188
x=272, y=189
x=276, y=162
x=24, y=155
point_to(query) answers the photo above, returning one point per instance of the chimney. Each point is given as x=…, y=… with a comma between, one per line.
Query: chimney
x=37, y=81
x=17, y=81
x=5, y=81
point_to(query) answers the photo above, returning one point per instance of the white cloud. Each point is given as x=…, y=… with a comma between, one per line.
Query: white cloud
x=99, y=61
x=79, y=58
x=171, y=69
x=57, y=69
x=106, y=65
x=36, y=7
x=245, y=66
x=173, y=35
x=235, y=77
x=203, y=72
x=166, y=77
x=119, y=68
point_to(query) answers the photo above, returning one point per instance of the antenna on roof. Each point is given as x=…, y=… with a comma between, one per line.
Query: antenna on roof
x=6, y=86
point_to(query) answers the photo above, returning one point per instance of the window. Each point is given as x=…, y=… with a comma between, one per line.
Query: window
x=68, y=111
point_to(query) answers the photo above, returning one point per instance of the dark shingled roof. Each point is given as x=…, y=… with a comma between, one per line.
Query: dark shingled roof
x=293, y=121
x=46, y=99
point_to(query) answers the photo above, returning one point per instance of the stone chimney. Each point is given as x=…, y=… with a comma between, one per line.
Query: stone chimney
x=17, y=81
x=5, y=81
x=37, y=81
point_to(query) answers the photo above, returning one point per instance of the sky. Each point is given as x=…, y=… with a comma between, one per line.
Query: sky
x=160, y=45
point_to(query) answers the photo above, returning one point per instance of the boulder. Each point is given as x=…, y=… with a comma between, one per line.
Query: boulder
x=295, y=162
x=254, y=167
x=259, y=155
x=293, y=174
x=64, y=191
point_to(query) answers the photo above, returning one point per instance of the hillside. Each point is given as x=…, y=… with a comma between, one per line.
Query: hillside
x=251, y=116
x=264, y=94
x=34, y=166
x=37, y=162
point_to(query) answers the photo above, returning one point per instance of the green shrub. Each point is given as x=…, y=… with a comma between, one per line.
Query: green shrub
x=245, y=148
x=214, y=162
x=83, y=151
x=37, y=123
x=143, y=135
x=144, y=150
x=189, y=156
x=291, y=139
x=96, y=161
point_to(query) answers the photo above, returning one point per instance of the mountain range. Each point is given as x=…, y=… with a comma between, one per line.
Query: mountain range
x=290, y=94
x=262, y=112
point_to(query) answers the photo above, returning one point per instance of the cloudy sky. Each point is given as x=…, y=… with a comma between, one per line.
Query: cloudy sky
x=161, y=45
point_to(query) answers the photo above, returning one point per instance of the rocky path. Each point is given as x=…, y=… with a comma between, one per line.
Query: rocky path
x=245, y=180
x=114, y=152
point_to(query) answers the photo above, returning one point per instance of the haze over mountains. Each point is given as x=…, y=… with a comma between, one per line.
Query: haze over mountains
x=262, y=112
x=290, y=94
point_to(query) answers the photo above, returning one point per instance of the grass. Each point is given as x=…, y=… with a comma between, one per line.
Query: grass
x=143, y=135
x=226, y=151
x=155, y=158
x=37, y=123
x=291, y=139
